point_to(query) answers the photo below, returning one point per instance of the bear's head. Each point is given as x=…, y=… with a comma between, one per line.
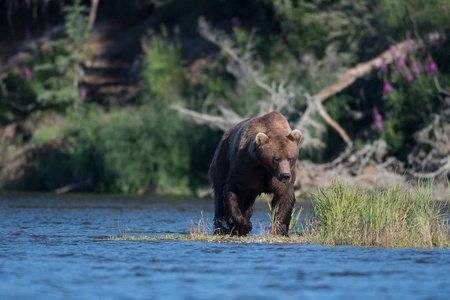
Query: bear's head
x=279, y=153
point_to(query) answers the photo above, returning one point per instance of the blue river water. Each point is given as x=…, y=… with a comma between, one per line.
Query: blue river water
x=53, y=247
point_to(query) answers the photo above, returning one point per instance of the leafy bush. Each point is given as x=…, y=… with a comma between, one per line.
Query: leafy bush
x=131, y=151
x=51, y=77
x=411, y=97
x=315, y=24
x=56, y=71
x=423, y=15
x=163, y=71
x=143, y=150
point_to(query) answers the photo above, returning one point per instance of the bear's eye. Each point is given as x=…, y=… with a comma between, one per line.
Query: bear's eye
x=291, y=160
x=276, y=160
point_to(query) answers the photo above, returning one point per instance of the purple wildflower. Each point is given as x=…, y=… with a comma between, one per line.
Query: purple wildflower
x=27, y=73
x=408, y=45
x=83, y=94
x=401, y=62
x=379, y=125
x=27, y=33
x=431, y=66
x=409, y=77
x=393, y=51
x=387, y=87
x=58, y=120
x=378, y=119
x=212, y=56
x=415, y=67
x=5, y=93
x=234, y=27
x=383, y=66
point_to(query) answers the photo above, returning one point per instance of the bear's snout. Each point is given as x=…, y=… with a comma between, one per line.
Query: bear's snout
x=283, y=172
x=285, y=177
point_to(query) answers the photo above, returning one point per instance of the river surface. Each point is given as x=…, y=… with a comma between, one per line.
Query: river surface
x=53, y=247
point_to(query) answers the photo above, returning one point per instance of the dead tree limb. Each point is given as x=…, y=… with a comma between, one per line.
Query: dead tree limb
x=280, y=96
x=437, y=161
x=217, y=122
x=439, y=88
x=323, y=113
x=93, y=13
x=444, y=169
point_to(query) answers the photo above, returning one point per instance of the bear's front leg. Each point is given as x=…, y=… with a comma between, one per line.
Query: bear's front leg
x=282, y=206
x=237, y=223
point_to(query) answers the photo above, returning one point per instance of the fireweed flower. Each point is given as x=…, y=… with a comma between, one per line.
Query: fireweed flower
x=387, y=88
x=5, y=93
x=212, y=56
x=378, y=118
x=83, y=94
x=383, y=66
x=415, y=67
x=393, y=51
x=431, y=66
x=58, y=120
x=408, y=45
x=400, y=62
x=409, y=76
x=27, y=73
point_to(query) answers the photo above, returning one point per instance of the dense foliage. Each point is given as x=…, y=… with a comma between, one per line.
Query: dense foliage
x=138, y=144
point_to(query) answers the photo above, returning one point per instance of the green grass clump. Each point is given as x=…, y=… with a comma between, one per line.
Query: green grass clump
x=400, y=216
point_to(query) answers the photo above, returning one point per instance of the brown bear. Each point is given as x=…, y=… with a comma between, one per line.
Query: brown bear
x=256, y=156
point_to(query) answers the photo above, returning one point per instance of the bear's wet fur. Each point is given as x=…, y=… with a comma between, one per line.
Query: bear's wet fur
x=256, y=156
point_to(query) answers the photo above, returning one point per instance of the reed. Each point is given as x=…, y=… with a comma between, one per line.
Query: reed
x=400, y=216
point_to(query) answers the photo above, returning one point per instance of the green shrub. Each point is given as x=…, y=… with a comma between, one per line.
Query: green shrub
x=51, y=77
x=163, y=70
x=423, y=15
x=129, y=151
x=143, y=150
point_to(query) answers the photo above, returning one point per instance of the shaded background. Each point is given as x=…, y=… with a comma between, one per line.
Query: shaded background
x=88, y=87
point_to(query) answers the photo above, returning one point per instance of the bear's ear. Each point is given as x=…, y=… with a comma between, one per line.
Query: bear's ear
x=295, y=136
x=261, y=139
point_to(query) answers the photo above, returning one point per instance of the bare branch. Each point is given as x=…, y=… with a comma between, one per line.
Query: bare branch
x=438, y=86
x=93, y=13
x=226, y=44
x=222, y=123
x=333, y=123
x=444, y=169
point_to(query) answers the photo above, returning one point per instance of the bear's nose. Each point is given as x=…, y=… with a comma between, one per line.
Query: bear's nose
x=285, y=177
